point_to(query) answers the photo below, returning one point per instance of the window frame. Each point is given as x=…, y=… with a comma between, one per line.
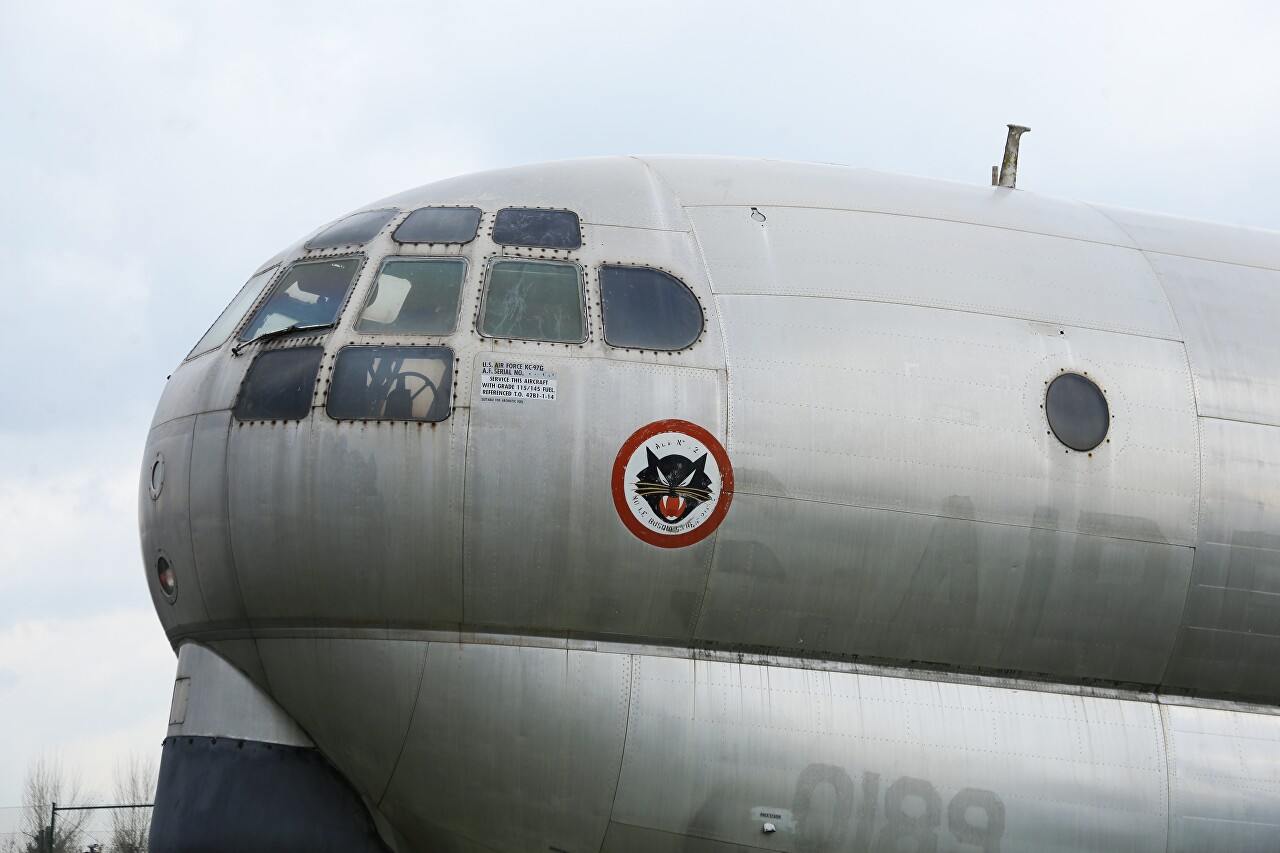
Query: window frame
x=576, y=216
x=471, y=239
x=457, y=316
x=604, y=328
x=361, y=258
x=451, y=372
x=582, y=298
x=274, y=270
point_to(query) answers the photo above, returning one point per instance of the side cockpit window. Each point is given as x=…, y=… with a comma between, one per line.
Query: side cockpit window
x=439, y=225
x=308, y=295
x=537, y=228
x=233, y=313
x=533, y=301
x=279, y=385
x=414, y=296
x=391, y=383
x=356, y=230
x=644, y=308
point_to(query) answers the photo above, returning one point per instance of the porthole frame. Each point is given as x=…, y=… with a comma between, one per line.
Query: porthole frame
x=154, y=568
x=1058, y=434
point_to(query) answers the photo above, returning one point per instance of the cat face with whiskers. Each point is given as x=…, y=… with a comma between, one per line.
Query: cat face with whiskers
x=674, y=485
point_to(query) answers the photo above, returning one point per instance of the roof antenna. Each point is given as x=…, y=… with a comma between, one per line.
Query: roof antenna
x=1007, y=174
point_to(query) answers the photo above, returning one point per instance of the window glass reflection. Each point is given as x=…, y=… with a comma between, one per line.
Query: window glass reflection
x=534, y=301
x=439, y=225
x=645, y=308
x=308, y=294
x=391, y=383
x=232, y=314
x=279, y=385
x=357, y=229
x=414, y=296
x=545, y=229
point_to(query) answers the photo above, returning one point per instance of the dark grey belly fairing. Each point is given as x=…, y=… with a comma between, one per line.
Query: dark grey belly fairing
x=222, y=794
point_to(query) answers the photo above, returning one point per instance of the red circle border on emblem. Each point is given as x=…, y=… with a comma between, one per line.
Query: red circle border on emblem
x=702, y=531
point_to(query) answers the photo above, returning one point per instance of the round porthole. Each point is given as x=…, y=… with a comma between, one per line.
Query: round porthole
x=1077, y=411
x=167, y=578
x=157, y=476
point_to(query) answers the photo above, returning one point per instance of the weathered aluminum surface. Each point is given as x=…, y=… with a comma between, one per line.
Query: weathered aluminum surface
x=512, y=748
x=1009, y=165
x=1224, y=774
x=939, y=412
x=872, y=257
x=550, y=459
x=214, y=699
x=1228, y=313
x=468, y=590
x=356, y=697
x=1230, y=635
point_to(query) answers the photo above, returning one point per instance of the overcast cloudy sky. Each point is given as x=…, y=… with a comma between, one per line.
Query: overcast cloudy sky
x=152, y=154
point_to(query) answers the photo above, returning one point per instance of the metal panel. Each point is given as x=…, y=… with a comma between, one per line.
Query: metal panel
x=1228, y=314
x=1230, y=640
x=803, y=251
x=857, y=763
x=512, y=748
x=817, y=577
x=165, y=524
x=609, y=190
x=545, y=545
x=1224, y=772
x=222, y=702
x=210, y=533
x=939, y=412
x=348, y=520
x=1174, y=235
x=354, y=697
x=204, y=384
x=716, y=181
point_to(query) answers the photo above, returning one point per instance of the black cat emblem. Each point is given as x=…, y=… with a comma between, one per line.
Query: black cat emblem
x=674, y=485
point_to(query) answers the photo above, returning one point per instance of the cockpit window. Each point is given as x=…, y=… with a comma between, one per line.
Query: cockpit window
x=391, y=384
x=310, y=293
x=534, y=301
x=540, y=229
x=414, y=296
x=233, y=313
x=357, y=229
x=439, y=225
x=279, y=385
x=645, y=308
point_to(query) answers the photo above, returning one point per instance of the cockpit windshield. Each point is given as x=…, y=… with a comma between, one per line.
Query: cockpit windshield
x=309, y=294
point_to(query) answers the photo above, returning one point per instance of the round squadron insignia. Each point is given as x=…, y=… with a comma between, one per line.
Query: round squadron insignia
x=672, y=483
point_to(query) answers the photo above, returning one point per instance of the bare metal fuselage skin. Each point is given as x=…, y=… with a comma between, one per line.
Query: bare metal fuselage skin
x=921, y=618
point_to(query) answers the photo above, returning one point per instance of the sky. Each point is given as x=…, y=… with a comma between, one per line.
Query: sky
x=153, y=154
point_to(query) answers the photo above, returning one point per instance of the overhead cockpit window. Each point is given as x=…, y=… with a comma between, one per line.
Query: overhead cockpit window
x=279, y=385
x=308, y=295
x=357, y=229
x=1077, y=411
x=414, y=296
x=391, y=384
x=233, y=313
x=534, y=301
x=645, y=308
x=439, y=225
x=538, y=229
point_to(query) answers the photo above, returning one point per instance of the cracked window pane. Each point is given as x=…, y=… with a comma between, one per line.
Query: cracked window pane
x=308, y=294
x=414, y=296
x=647, y=309
x=391, y=384
x=544, y=229
x=534, y=301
